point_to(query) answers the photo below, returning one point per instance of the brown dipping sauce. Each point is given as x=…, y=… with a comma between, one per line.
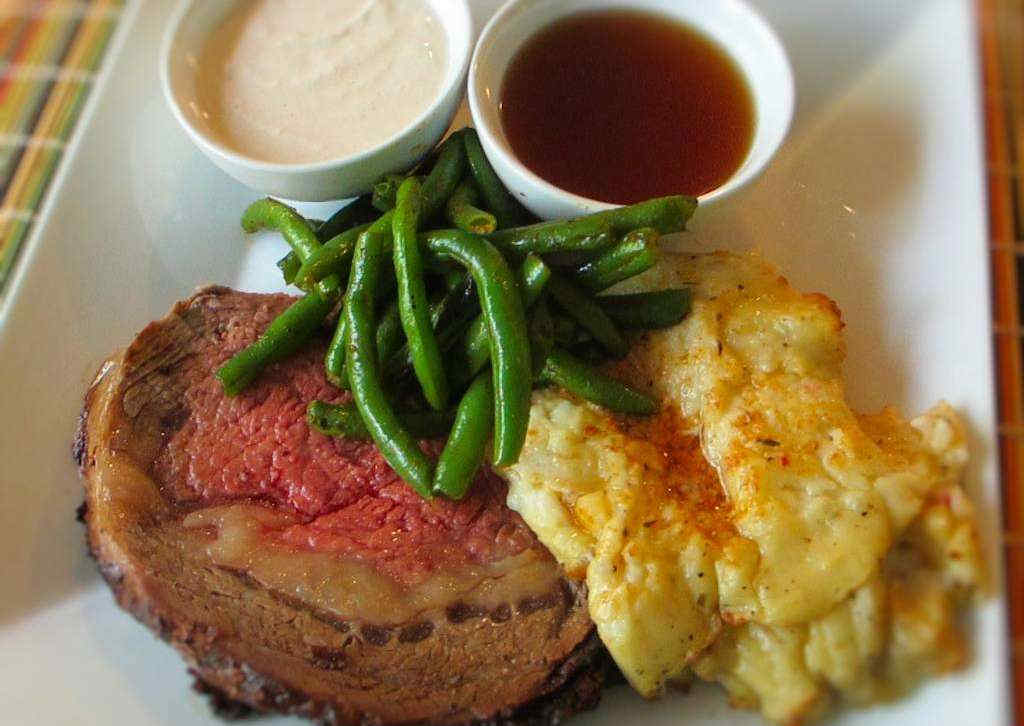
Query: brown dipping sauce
x=622, y=105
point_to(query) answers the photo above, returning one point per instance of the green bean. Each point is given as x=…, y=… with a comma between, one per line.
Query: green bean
x=640, y=262
x=506, y=322
x=586, y=234
x=334, y=359
x=271, y=214
x=447, y=334
x=459, y=293
x=336, y=420
x=286, y=334
x=389, y=336
x=412, y=296
x=474, y=354
x=665, y=214
x=333, y=257
x=648, y=310
x=394, y=441
x=572, y=374
x=464, y=451
x=292, y=328
x=351, y=215
x=453, y=331
x=332, y=419
x=445, y=176
x=385, y=191
x=449, y=317
x=289, y=266
x=462, y=212
x=613, y=265
x=580, y=306
x=497, y=198
x=531, y=277
x=541, y=327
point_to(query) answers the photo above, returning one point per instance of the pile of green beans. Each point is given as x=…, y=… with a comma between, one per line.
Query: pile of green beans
x=449, y=303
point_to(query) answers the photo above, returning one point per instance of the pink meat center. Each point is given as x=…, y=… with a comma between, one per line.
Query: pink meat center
x=345, y=498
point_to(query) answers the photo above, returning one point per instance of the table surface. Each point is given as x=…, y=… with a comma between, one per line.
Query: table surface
x=51, y=51
x=1002, y=42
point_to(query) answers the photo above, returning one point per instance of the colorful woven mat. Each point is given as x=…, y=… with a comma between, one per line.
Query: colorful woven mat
x=50, y=51
x=1002, y=48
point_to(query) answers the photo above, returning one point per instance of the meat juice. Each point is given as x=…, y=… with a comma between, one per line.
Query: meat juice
x=621, y=106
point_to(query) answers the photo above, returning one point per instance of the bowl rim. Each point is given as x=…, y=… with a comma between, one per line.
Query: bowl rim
x=740, y=178
x=461, y=14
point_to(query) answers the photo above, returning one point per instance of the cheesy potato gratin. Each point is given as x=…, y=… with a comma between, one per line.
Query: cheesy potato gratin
x=757, y=532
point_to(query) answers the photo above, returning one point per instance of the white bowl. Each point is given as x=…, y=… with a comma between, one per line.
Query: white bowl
x=338, y=178
x=737, y=28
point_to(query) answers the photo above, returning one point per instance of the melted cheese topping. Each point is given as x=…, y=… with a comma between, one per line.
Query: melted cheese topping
x=837, y=548
x=241, y=537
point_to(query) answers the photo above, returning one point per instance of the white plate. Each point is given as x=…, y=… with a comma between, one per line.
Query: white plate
x=876, y=198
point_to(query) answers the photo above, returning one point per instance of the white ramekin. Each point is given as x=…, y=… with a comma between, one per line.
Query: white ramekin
x=737, y=27
x=338, y=178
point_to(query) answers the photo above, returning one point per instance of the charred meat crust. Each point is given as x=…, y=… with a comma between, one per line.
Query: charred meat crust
x=574, y=687
x=237, y=688
x=531, y=660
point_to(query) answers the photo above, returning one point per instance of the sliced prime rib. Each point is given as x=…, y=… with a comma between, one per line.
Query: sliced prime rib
x=295, y=572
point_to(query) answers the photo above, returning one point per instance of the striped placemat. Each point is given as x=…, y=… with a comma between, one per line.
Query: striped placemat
x=1002, y=48
x=49, y=53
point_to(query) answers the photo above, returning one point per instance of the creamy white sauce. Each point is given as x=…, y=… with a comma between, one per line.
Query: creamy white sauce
x=295, y=81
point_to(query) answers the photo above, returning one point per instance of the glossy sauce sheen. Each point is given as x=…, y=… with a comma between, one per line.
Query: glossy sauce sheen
x=621, y=106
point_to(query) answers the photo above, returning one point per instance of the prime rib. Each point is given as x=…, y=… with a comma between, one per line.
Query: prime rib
x=294, y=572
